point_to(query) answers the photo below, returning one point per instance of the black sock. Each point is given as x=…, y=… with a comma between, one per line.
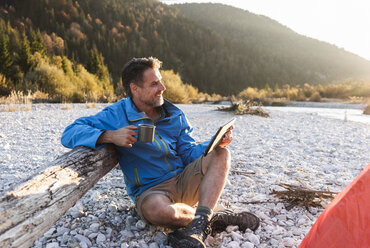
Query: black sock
x=203, y=210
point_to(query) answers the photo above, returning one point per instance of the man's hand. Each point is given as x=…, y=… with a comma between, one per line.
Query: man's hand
x=228, y=137
x=121, y=137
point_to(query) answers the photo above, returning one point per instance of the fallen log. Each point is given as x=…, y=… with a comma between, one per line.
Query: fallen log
x=33, y=207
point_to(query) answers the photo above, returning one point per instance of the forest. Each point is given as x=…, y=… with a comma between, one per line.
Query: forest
x=74, y=50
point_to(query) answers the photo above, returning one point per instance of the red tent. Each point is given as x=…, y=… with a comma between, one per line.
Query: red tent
x=345, y=222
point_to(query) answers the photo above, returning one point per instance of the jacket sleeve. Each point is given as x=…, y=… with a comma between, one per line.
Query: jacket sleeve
x=85, y=131
x=187, y=148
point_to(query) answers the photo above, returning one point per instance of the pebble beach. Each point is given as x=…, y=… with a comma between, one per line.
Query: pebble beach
x=323, y=153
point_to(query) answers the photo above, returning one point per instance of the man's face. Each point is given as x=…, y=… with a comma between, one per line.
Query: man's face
x=150, y=93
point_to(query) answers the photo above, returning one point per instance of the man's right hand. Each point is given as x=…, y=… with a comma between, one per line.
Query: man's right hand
x=121, y=137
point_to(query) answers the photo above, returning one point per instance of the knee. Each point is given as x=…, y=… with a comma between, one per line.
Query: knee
x=163, y=216
x=156, y=213
x=219, y=159
x=223, y=153
x=151, y=213
x=224, y=158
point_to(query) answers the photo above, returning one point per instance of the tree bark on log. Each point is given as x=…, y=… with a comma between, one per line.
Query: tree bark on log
x=33, y=207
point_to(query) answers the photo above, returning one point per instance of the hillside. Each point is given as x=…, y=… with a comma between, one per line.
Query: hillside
x=214, y=47
x=276, y=48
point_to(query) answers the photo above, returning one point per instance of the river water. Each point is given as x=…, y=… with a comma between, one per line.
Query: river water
x=341, y=111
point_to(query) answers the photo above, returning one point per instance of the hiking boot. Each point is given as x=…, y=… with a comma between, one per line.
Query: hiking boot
x=243, y=220
x=191, y=236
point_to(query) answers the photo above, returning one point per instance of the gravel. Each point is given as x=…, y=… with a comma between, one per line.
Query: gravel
x=324, y=153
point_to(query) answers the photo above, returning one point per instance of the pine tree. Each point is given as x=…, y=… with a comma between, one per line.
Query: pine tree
x=6, y=61
x=93, y=64
x=25, y=55
x=64, y=64
x=267, y=87
x=103, y=72
x=96, y=65
x=37, y=43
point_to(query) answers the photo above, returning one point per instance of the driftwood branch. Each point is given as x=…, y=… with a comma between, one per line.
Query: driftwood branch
x=241, y=108
x=302, y=195
x=241, y=172
x=259, y=202
x=33, y=207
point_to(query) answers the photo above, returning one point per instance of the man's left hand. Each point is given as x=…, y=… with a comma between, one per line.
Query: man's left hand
x=228, y=137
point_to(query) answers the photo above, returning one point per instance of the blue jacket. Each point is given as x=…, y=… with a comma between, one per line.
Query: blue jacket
x=145, y=164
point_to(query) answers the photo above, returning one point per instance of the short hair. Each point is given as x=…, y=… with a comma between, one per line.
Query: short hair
x=133, y=71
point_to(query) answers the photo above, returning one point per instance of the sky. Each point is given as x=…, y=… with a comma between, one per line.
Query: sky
x=344, y=23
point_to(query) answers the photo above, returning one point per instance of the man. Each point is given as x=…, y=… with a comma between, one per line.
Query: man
x=167, y=177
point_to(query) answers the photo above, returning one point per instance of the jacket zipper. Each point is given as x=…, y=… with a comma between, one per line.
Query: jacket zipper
x=165, y=157
x=137, y=177
x=159, y=146
x=165, y=147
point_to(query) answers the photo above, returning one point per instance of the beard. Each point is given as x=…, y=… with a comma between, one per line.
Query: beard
x=156, y=102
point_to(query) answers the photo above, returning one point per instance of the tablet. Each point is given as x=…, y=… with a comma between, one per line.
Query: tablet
x=218, y=136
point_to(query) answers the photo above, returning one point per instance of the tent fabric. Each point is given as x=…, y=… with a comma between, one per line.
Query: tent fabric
x=346, y=220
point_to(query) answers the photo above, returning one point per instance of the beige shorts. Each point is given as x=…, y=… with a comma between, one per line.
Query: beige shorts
x=183, y=188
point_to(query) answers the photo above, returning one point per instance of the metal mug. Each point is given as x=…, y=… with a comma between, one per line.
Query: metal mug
x=146, y=133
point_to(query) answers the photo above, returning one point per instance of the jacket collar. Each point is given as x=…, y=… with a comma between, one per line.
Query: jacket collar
x=133, y=112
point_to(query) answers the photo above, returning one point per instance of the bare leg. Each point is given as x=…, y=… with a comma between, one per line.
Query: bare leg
x=215, y=167
x=159, y=210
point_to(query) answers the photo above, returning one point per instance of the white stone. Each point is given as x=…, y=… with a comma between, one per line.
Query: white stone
x=62, y=230
x=38, y=244
x=124, y=245
x=302, y=221
x=134, y=243
x=247, y=245
x=253, y=238
x=142, y=244
x=52, y=245
x=153, y=245
x=263, y=216
x=129, y=221
x=274, y=242
x=49, y=233
x=126, y=235
x=160, y=238
x=279, y=230
x=140, y=225
x=94, y=227
x=281, y=217
x=100, y=238
x=83, y=245
x=297, y=232
x=233, y=244
x=76, y=214
x=112, y=207
x=65, y=238
x=236, y=236
x=81, y=238
x=288, y=242
x=86, y=232
x=289, y=223
x=108, y=232
x=77, y=210
x=93, y=235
